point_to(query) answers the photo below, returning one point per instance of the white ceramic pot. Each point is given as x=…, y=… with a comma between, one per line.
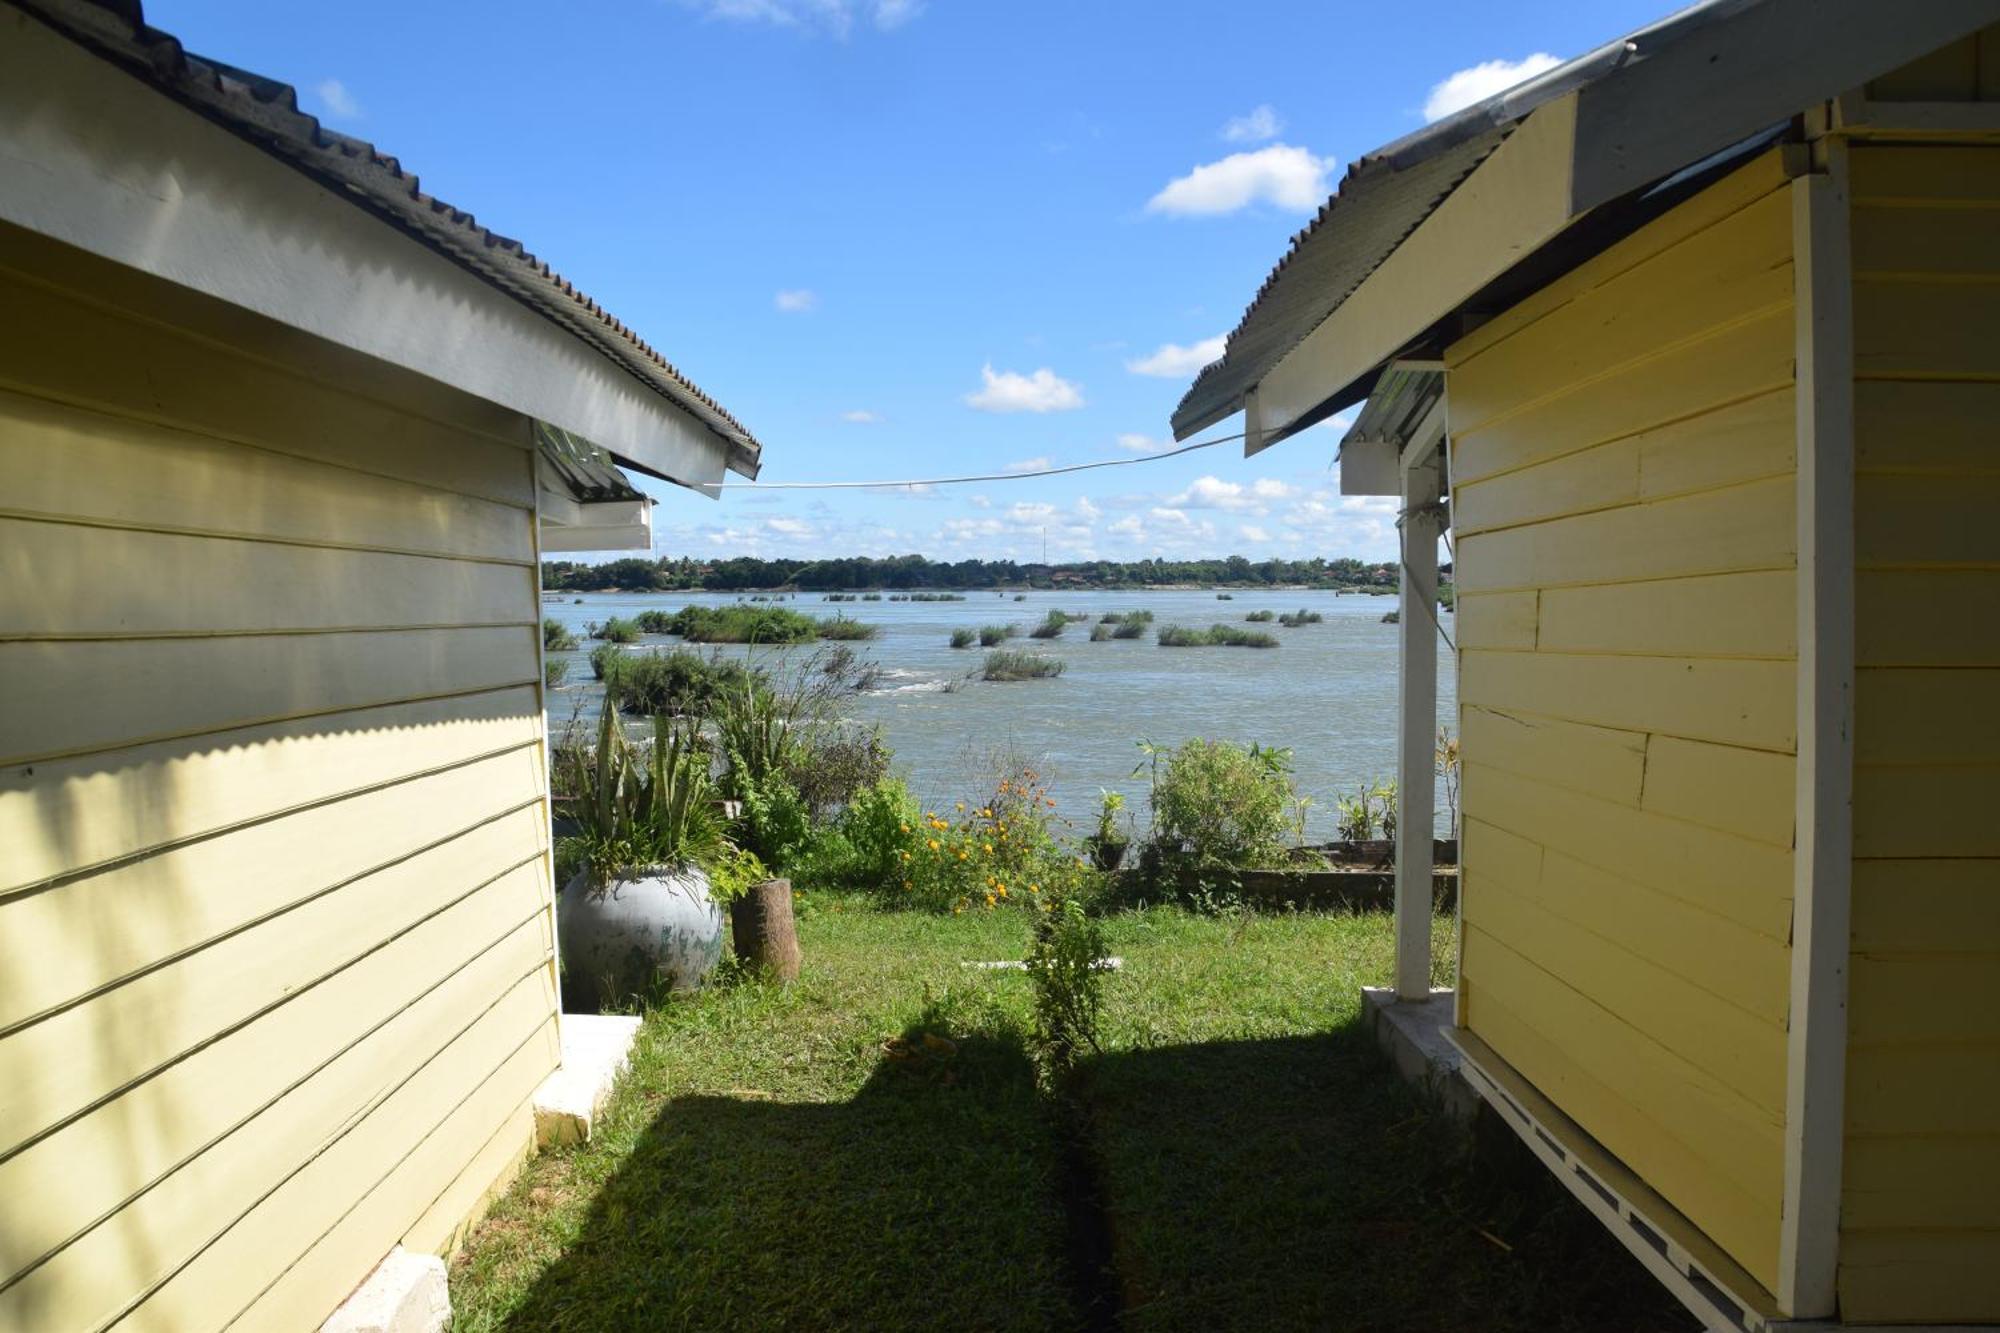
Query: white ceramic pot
x=648, y=926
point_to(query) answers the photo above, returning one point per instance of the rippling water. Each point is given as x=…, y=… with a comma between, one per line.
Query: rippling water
x=1329, y=692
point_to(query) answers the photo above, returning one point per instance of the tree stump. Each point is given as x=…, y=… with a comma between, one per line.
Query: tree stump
x=763, y=931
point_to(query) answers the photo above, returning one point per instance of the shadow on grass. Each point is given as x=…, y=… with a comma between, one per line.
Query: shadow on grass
x=1296, y=1183
x=1290, y=1183
x=927, y=1201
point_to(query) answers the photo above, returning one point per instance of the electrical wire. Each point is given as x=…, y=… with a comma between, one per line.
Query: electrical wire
x=958, y=481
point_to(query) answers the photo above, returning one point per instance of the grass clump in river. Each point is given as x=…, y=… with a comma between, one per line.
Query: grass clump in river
x=1260, y=617
x=1293, y=619
x=557, y=637
x=992, y=636
x=842, y=629
x=679, y=683
x=1012, y=664
x=1224, y=636
x=1052, y=626
x=964, y=638
x=617, y=630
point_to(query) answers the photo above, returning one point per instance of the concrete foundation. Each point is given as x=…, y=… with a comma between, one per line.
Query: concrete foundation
x=1411, y=1032
x=596, y=1049
x=406, y=1293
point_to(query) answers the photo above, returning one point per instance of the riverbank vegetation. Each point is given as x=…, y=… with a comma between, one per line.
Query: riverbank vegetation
x=909, y=573
x=1012, y=664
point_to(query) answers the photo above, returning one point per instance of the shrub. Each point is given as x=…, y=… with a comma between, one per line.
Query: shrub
x=963, y=638
x=879, y=827
x=679, y=683
x=871, y=596
x=617, y=630
x=740, y=624
x=937, y=597
x=604, y=659
x=554, y=672
x=993, y=854
x=1020, y=597
x=656, y=622
x=1130, y=629
x=1218, y=804
x=637, y=807
x=992, y=636
x=1099, y=633
x=1225, y=597
x=1293, y=619
x=1051, y=627
x=1227, y=636
x=845, y=630
x=556, y=637
x=1011, y=664
x=1260, y=617
x=1066, y=969
x=1370, y=810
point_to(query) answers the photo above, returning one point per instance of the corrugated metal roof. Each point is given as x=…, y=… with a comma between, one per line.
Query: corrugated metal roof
x=1396, y=407
x=1650, y=103
x=588, y=472
x=265, y=112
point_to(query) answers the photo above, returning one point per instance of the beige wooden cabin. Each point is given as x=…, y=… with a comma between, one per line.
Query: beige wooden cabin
x=1695, y=345
x=281, y=440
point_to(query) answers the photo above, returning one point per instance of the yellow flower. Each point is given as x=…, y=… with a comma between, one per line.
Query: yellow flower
x=961, y=853
x=986, y=813
x=905, y=828
x=989, y=848
x=906, y=856
x=961, y=807
x=958, y=911
x=934, y=844
x=1003, y=890
x=989, y=900
x=1034, y=888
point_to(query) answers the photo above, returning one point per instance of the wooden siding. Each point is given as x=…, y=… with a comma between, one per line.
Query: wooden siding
x=276, y=927
x=1624, y=497
x=1920, y=1207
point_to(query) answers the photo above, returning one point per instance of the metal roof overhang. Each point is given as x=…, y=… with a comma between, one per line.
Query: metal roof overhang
x=585, y=502
x=1614, y=125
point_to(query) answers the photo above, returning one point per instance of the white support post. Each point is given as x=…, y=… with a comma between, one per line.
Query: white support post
x=1416, y=714
x=1822, y=859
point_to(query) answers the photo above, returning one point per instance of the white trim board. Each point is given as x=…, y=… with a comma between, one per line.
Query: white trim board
x=1712, y=1285
x=96, y=159
x=1822, y=858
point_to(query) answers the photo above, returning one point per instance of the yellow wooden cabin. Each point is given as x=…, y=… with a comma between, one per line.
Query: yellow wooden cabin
x=281, y=442
x=1694, y=345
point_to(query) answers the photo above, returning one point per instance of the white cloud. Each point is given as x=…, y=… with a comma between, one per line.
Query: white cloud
x=1175, y=362
x=1141, y=444
x=1280, y=175
x=789, y=527
x=1252, y=533
x=1027, y=465
x=1215, y=493
x=1482, y=81
x=1008, y=391
x=836, y=17
x=1262, y=123
x=1032, y=513
x=861, y=416
x=796, y=300
x=979, y=502
x=334, y=96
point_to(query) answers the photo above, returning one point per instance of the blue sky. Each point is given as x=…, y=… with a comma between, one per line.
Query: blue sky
x=919, y=237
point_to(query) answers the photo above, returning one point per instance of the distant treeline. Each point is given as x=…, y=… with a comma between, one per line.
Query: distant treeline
x=914, y=571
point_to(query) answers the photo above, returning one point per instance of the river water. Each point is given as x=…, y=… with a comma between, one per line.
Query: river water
x=1329, y=692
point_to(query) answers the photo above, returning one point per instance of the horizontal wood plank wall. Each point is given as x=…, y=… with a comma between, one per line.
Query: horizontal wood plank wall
x=1920, y=1207
x=1623, y=468
x=275, y=921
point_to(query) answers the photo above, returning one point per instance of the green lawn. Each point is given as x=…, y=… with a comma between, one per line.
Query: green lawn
x=803, y=1159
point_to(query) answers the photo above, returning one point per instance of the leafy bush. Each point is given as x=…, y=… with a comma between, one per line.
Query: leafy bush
x=1051, y=627
x=604, y=659
x=937, y=597
x=1218, y=804
x=617, y=630
x=1227, y=636
x=1259, y=617
x=1370, y=811
x=964, y=638
x=1130, y=629
x=993, y=635
x=1293, y=619
x=1225, y=597
x=556, y=636
x=845, y=630
x=676, y=684
x=879, y=829
x=656, y=622
x=1126, y=618
x=554, y=672
x=1011, y=664
x=1100, y=633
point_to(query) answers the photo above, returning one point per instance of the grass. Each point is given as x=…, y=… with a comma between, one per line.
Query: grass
x=1012, y=664
x=557, y=637
x=1100, y=633
x=768, y=1162
x=964, y=638
x=992, y=636
x=1051, y=627
x=1260, y=617
x=1225, y=636
x=842, y=629
x=1293, y=619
